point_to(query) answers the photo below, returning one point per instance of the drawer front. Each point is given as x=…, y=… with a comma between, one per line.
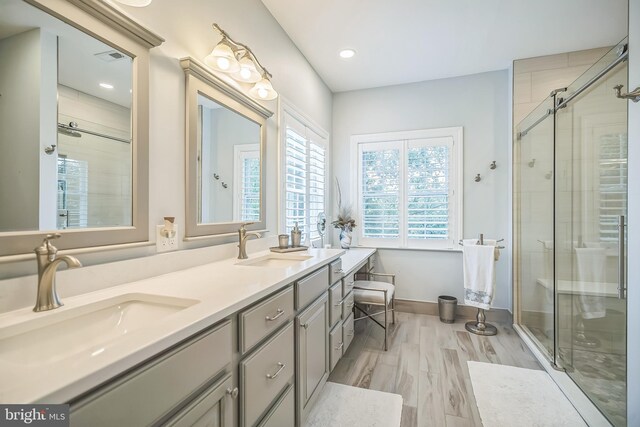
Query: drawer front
x=347, y=284
x=264, y=374
x=264, y=318
x=347, y=305
x=311, y=287
x=335, y=271
x=336, y=345
x=211, y=408
x=335, y=303
x=348, y=332
x=159, y=385
x=283, y=413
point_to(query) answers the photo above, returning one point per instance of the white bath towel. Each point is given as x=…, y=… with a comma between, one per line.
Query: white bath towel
x=479, y=275
x=590, y=263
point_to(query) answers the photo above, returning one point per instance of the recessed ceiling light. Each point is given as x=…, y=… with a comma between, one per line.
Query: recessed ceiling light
x=106, y=85
x=347, y=53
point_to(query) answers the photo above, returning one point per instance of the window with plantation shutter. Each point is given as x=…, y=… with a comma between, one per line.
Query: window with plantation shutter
x=304, y=177
x=408, y=188
x=613, y=172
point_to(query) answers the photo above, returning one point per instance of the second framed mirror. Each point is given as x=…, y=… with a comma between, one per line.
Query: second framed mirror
x=226, y=139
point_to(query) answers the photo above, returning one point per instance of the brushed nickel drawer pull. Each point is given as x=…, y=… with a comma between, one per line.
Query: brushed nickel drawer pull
x=340, y=346
x=232, y=392
x=338, y=304
x=350, y=334
x=280, y=312
x=351, y=306
x=273, y=376
x=339, y=271
x=305, y=325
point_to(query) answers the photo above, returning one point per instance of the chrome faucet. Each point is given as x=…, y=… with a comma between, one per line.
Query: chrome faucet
x=243, y=235
x=47, y=265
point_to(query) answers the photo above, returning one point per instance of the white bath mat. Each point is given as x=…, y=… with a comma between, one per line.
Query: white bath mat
x=510, y=396
x=345, y=406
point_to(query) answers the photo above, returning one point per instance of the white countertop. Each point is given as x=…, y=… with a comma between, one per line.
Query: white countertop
x=222, y=288
x=354, y=258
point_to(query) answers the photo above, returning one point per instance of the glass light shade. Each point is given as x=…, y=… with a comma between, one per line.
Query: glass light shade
x=263, y=90
x=248, y=73
x=135, y=3
x=222, y=58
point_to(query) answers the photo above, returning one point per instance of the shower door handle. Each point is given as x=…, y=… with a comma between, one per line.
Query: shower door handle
x=621, y=260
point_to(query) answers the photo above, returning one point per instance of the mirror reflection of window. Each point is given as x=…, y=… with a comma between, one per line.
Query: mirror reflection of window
x=246, y=198
x=229, y=165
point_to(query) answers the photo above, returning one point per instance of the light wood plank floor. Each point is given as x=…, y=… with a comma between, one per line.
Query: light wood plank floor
x=427, y=364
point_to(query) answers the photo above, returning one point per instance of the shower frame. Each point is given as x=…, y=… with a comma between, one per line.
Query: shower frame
x=551, y=361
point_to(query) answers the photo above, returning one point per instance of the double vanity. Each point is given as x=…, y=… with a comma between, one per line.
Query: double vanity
x=235, y=342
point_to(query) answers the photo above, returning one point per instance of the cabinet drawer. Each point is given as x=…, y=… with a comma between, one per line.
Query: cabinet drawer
x=211, y=408
x=283, y=412
x=347, y=305
x=348, y=332
x=151, y=391
x=264, y=318
x=310, y=288
x=264, y=374
x=336, y=345
x=335, y=271
x=347, y=284
x=335, y=303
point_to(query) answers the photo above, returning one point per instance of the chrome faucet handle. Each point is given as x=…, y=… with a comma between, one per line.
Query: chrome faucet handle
x=47, y=247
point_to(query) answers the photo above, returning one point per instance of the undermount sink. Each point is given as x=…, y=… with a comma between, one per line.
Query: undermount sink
x=89, y=328
x=275, y=260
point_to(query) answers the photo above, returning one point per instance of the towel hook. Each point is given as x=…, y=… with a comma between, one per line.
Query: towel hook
x=634, y=95
x=532, y=163
x=493, y=165
x=478, y=178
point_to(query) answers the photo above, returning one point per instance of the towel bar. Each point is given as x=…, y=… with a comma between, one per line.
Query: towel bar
x=479, y=326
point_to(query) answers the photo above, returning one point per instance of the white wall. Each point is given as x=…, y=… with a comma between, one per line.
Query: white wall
x=24, y=85
x=186, y=26
x=633, y=255
x=479, y=103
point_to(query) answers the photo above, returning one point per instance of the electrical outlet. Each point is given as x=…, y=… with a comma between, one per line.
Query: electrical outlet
x=164, y=243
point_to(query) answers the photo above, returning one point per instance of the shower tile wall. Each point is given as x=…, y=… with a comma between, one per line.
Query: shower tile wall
x=108, y=199
x=535, y=78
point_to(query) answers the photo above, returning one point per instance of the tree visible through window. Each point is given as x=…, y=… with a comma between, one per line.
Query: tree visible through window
x=407, y=188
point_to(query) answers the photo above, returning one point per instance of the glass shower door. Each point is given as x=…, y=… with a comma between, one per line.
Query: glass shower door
x=533, y=198
x=591, y=199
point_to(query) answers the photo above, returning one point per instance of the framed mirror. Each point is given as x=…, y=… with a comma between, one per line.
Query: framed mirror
x=73, y=124
x=226, y=136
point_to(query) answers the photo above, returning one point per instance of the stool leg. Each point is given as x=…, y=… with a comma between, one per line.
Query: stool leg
x=393, y=308
x=385, y=320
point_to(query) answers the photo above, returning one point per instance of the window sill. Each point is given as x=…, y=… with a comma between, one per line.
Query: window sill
x=387, y=248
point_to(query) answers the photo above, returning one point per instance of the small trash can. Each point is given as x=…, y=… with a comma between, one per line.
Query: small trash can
x=447, y=308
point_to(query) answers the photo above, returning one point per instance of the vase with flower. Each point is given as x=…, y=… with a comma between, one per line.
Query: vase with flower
x=345, y=222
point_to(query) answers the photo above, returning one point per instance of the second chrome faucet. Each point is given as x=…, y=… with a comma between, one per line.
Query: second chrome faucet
x=243, y=235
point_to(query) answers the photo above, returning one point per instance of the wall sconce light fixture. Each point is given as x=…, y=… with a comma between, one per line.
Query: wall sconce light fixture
x=237, y=60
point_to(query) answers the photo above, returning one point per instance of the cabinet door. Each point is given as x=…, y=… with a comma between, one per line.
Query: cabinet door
x=313, y=361
x=212, y=408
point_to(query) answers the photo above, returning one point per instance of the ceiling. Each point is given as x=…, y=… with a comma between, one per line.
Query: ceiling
x=78, y=65
x=407, y=41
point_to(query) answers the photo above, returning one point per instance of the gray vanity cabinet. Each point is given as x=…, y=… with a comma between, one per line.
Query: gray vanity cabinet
x=264, y=375
x=211, y=408
x=312, y=354
x=157, y=388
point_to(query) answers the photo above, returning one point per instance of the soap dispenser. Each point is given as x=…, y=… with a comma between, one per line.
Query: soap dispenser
x=296, y=236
